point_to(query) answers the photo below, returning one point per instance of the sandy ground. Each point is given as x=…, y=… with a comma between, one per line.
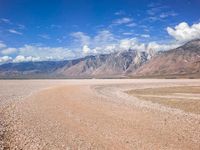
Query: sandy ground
x=186, y=98
x=92, y=114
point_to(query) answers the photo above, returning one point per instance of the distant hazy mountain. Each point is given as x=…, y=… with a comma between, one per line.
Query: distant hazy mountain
x=30, y=69
x=106, y=65
x=183, y=61
x=180, y=62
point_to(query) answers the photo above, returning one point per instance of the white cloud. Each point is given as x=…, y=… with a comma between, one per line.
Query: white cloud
x=2, y=45
x=131, y=43
x=30, y=58
x=183, y=32
x=106, y=42
x=95, y=43
x=158, y=12
x=45, y=53
x=119, y=13
x=110, y=48
x=131, y=24
x=5, y=20
x=125, y=44
x=156, y=9
x=37, y=53
x=103, y=42
x=127, y=33
x=103, y=37
x=86, y=49
x=5, y=59
x=81, y=37
x=152, y=47
x=14, y=31
x=8, y=51
x=145, y=35
x=21, y=58
x=124, y=20
x=161, y=47
x=105, y=49
x=44, y=36
x=168, y=14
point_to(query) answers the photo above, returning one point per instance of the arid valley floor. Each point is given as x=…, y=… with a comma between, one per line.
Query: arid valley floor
x=100, y=114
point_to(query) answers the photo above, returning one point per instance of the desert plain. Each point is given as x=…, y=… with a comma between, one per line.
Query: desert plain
x=100, y=114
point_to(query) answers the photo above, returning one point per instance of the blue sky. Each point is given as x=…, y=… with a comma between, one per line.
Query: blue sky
x=33, y=30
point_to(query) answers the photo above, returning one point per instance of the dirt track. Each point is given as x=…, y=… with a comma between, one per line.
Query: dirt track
x=92, y=114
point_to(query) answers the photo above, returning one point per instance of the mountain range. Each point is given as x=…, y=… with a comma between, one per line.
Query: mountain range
x=183, y=61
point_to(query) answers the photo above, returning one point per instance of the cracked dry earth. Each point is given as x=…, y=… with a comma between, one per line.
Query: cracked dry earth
x=92, y=114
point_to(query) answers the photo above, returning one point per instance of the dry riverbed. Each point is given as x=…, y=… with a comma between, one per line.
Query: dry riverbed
x=99, y=114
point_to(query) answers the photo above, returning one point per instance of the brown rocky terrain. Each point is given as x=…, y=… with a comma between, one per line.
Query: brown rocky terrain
x=180, y=62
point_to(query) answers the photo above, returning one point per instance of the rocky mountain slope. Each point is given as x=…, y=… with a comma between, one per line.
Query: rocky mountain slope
x=109, y=65
x=183, y=61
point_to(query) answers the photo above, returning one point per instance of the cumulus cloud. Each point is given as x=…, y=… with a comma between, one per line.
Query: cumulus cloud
x=110, y=48
x=126, y=43
x=8, y=51
x=37, y=53
x=183, y=32
x=18, y=59
x=105, y=49
x=5, y=59
x=106, y=42
x=131, y=43
x=21, y=58
x=86, y=49
x=14, y=31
